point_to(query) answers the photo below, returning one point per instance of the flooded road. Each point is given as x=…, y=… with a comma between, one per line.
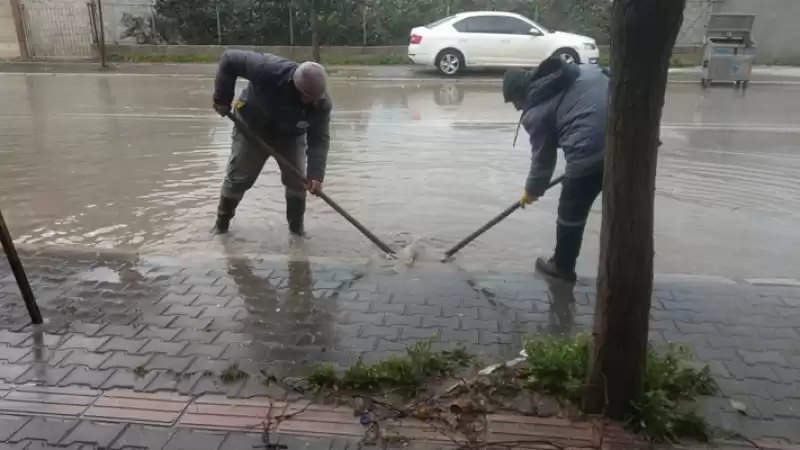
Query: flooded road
x=136, y=162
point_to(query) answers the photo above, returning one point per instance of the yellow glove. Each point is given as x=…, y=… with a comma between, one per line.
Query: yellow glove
x=526, y=199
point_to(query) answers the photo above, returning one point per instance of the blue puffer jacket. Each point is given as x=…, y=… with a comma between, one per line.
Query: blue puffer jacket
x=566, y=106
x=272, y=105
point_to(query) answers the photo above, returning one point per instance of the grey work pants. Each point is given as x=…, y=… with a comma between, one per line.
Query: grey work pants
x=248, y=158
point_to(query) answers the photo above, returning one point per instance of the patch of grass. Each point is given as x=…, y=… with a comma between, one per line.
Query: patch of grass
x=330, y=60
x=233, y=374
x=403, y=374
x=559, y=367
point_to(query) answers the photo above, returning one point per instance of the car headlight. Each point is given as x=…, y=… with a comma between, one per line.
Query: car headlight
x=589, y=46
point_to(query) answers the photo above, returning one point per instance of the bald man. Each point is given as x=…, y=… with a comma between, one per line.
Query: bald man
x=287, y=104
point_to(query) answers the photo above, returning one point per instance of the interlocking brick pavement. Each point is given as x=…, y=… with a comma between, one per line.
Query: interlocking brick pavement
x=157, y=324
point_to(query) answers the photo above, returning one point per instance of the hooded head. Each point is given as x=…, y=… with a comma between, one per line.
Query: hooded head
x=524, y=88
x=516, y=84
x=311, y=81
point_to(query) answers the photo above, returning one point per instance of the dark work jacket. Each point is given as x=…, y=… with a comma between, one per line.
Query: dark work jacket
x=271, y=103
x=566, y=106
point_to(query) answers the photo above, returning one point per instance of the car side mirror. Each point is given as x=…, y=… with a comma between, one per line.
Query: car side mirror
x=534, y=32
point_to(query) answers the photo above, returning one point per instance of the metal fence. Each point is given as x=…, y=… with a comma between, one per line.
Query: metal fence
x=58, y=29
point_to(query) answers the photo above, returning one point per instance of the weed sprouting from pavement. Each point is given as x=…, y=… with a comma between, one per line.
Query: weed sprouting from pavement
x=670, y=382
x=559, y=367
x=233, y=374
x=140, y=371
x=555, y=369
x=404, y=374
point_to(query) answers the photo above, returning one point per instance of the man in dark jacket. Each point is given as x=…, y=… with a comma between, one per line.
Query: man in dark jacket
x=287, y=104
x=564, y=105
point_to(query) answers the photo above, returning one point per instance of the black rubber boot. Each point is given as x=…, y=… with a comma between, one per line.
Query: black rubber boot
x=549, y=269
x=295, y=212
x=225, y=212
x=568, y=247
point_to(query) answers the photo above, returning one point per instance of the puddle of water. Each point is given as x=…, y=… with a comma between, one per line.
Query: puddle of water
x=139, y=167
x=101, y=274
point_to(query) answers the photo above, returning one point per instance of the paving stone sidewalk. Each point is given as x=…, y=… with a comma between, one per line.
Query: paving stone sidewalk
x=192, y=326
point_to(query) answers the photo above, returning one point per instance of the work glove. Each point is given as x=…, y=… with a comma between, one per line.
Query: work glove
x=526, y=199
x=222, y=109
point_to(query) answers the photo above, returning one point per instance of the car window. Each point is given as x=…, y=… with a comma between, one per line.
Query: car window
x=493, y=25
x=510, y=25
x=474, y=24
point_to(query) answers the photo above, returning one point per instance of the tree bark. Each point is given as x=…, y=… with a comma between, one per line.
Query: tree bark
x=642, y=37
x=315, y=33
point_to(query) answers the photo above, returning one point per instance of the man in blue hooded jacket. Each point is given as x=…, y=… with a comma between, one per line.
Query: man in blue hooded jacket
x=563, y=105
x=287, y=105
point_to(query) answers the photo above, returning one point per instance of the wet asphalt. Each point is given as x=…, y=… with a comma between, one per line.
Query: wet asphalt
x=135, y=162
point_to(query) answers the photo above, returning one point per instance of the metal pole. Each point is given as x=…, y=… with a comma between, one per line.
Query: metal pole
x=497, y=219
x=19, y=24
x=19, y=273
x=245, y=130
x=364, y=24
x=315, y=50
x=291, y=25
x=102, y=43
x=219, y=25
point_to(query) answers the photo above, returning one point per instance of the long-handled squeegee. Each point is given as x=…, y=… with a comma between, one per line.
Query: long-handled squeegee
x=245, y=129
x=497, y=219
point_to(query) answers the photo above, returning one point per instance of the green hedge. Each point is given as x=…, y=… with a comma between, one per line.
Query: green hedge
x=353, y=22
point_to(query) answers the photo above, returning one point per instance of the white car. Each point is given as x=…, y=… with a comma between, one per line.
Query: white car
x=494, y=39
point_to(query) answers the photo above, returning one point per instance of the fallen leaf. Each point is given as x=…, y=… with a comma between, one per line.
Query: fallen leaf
x=740, y=407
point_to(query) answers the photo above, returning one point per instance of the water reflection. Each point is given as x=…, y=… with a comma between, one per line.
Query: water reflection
x=289, y=325
x=124, y=162
x=561, y=315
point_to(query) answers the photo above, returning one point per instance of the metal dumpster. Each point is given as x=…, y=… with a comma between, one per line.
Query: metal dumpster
x=729, y=49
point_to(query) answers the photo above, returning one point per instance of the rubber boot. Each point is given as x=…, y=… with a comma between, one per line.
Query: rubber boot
x=548, y=268
x=295, y=212
x=565, y=257
x=225, y=212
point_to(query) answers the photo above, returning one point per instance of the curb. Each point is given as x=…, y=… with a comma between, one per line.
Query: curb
x=203, y=258
x=219, y=413
x=89, y=414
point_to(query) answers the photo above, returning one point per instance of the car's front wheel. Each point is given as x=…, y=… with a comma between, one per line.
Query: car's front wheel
x=450, y=62
x=569, y=55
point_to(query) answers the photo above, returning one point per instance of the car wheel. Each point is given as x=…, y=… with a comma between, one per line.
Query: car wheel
x=450, y=62
x=569, y=55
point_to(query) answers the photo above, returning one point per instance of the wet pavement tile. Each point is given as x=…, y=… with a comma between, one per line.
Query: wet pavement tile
x=289, y=336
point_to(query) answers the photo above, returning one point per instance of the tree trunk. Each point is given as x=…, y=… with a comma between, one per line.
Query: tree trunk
x=314, y=33
x=642, y=37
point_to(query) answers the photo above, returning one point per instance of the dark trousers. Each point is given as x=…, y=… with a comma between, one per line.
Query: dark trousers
x=577, y=197
x=248, y=158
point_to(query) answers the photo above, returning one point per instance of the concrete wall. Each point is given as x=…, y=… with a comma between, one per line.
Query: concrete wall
x=9, y=47
x=774, y=30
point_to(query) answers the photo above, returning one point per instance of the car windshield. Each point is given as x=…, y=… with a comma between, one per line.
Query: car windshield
x=438, y=22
